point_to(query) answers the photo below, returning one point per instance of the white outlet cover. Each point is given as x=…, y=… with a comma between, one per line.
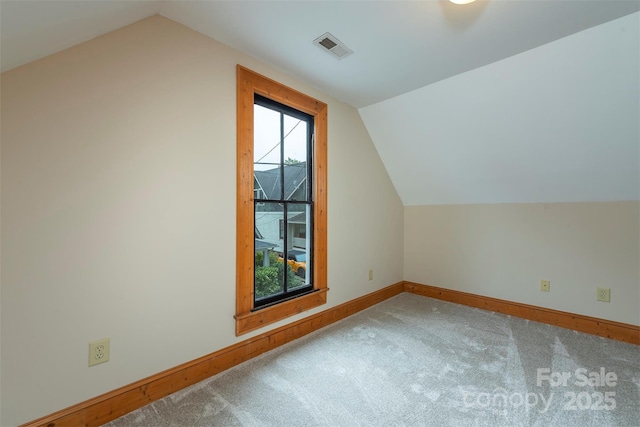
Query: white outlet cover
x=603, y=295
x=99, y=351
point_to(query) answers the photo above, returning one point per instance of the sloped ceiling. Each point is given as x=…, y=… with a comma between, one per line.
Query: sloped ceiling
x=456, y=98
x=559, y=123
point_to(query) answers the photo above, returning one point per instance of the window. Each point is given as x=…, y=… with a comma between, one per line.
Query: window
x=282, y=152
x=282, y=198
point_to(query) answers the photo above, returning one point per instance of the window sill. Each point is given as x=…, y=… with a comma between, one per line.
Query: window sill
x=247, y=322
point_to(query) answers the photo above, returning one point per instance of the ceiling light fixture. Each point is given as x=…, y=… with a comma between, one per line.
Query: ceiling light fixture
x=462, y=1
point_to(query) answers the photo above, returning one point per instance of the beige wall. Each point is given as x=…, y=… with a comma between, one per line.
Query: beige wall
x=118, y=211
x=503, y=251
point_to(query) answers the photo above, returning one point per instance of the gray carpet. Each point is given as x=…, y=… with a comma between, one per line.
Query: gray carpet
x=416, y=361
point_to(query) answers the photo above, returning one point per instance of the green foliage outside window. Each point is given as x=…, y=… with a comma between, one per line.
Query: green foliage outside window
x=269, y=280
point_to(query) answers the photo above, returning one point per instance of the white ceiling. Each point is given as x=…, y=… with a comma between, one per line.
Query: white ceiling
x=399, y=45
x=410, y=74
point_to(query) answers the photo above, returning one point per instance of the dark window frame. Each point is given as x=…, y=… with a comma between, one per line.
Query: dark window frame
x=286, y=202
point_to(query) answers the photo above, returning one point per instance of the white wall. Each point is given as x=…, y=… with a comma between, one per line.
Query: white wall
x=504, y=250
x=558, y=123
x=118, y=213
x=487, y=161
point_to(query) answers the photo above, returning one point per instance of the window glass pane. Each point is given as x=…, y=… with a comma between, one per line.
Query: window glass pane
x=269, y=268
x=295, y=154
x=258, y=193
x=267, y=151
x=295, y=141
x=295, y=181
x=299, y=243
x=269, y=182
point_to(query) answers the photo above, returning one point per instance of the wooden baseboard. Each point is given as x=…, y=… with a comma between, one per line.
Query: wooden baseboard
x=590, y=325
x=109, y=406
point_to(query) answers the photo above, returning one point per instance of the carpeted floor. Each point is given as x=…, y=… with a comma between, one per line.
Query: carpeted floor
x=416, y=361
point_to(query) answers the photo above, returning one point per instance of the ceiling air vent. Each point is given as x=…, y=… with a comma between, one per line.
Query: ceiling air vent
x=329, y=43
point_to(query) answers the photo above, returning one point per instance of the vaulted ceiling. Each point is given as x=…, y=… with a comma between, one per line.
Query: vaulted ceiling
x=493, y=102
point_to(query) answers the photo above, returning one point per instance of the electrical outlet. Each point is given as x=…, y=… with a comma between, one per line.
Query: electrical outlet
x=370, y=274
x=604, y=295
x=98, y=351
x=545, y=285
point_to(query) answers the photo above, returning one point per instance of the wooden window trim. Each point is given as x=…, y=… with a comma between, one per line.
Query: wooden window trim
x=248, y=84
